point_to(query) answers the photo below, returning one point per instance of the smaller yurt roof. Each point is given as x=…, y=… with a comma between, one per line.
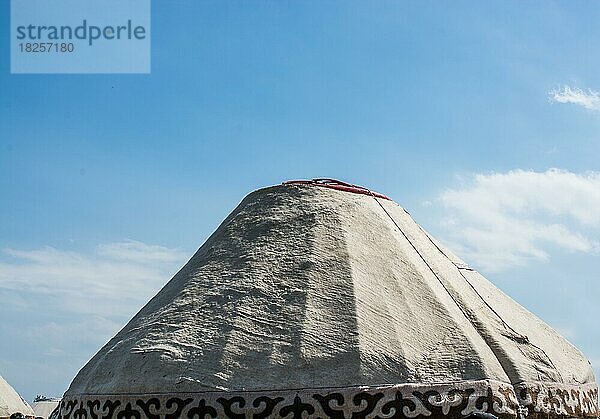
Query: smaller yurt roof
x=44, y=408
x=11, y=402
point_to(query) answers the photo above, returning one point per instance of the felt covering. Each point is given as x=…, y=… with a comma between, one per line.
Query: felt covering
x=11, y=402
x=307, y=301
x=44, y=408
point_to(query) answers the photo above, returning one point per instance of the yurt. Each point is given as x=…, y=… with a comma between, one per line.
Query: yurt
x=321, y=299
x=44, y=406
x=11, y=402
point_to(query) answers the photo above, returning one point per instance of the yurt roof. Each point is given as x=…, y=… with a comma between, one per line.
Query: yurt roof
x=11, y=402
x=322, y=299
x=43, y=408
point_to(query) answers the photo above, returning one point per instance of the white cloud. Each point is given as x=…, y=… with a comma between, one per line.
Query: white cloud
x=589, y=99
x=112, y=280
x=505, y=219
x=62, y=306
x=142, y=253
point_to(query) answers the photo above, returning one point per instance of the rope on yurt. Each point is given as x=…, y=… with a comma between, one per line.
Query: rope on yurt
x=504, y=323
x=522, y=338
x=424, y=260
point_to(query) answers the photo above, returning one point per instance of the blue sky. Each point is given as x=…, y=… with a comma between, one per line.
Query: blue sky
x=110, y=182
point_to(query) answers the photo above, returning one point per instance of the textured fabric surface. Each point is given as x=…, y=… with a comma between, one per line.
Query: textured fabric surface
x=304, y=287
x=44, y=408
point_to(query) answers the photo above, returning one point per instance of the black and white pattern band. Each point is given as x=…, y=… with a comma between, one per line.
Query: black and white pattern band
x=407, y=401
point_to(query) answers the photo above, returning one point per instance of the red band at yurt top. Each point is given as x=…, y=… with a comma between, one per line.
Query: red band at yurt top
x=339, y=185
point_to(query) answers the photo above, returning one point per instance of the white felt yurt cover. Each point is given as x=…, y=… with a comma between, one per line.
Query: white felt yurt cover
x=44, y=408
x=313, y=301
x=11, y=402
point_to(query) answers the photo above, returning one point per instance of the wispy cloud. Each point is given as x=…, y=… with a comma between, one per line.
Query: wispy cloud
x=117, y=274
x=505, y=219
x=589, y=99
x=63, y=305
x=131, y=250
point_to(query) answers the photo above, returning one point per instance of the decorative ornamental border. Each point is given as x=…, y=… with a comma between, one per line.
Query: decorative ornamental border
x=406, y=401
x=557, y=399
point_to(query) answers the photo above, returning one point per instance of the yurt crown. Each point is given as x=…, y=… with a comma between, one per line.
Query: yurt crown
x=339, y=185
